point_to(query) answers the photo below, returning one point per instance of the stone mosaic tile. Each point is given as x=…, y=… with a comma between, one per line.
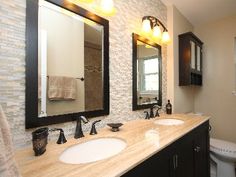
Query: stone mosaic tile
x=12, y=64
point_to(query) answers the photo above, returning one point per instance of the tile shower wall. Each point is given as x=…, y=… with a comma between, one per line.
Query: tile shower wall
x=12, y=65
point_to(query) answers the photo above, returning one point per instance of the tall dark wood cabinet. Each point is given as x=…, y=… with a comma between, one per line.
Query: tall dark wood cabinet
x=186, y=157
x=190, y=59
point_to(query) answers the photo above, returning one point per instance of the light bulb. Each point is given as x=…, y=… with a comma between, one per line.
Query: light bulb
x=165, y=37
x=156, y=33
x=107, y=7
x=146, y=27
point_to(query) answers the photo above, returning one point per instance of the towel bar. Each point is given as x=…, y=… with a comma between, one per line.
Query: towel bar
x=80, y=78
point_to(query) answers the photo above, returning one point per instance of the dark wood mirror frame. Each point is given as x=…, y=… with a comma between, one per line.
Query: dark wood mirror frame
x=135, y=106
x=31, y=105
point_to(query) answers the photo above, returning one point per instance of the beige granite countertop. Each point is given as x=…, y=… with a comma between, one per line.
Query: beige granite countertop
x=139, y=148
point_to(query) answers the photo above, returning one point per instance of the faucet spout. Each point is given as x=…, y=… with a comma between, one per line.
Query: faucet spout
x=78, y=130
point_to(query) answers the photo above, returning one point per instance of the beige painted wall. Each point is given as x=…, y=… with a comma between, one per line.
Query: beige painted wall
x=215, y=96
x=183, y=96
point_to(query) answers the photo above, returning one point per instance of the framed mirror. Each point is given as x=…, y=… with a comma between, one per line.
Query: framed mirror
x=147, y=73
x=67, y=63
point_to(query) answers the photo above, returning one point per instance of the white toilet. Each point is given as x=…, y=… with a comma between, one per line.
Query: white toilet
x=223, y=153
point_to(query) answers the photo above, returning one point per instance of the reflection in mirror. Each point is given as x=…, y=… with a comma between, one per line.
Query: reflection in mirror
x=147, y=73
x=70, y=62
x=67, y=63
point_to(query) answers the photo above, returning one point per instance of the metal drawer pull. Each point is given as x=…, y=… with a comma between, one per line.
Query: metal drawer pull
x=197, y=149
x=176, y=161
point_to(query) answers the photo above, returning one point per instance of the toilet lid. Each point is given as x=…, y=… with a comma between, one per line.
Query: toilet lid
x=220, y=146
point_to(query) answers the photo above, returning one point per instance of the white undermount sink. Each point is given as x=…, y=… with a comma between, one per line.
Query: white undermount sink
x=169, y=121
x=92, y=150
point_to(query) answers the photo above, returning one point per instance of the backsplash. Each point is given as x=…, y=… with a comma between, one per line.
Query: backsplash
x=12, y=66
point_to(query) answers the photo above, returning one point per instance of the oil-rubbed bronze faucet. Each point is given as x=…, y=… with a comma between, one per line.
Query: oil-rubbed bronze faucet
x=151, y=114
x=78, y=129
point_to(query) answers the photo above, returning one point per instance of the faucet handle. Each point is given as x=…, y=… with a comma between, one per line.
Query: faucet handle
x=93, y=130
x=157, y=111
x=61, y=138
x=147, y=115
x=151, y=115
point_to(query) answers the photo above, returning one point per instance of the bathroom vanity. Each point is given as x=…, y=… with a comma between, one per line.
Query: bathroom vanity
x=151, y=150
x=186, y=157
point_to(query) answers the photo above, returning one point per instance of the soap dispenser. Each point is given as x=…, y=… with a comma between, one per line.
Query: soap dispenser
x=168, y=108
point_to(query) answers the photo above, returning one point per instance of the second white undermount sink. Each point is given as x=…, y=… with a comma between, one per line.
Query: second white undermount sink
x=169, y=121
x=93, y=150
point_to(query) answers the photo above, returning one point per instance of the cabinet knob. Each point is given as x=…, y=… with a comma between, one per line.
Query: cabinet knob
x=210, y=128
x=197, y=149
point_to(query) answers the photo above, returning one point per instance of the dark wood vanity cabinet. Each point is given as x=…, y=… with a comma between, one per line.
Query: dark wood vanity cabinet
x=190, y=59
x=186, y=157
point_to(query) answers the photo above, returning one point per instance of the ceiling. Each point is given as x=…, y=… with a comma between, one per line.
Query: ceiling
x=203, y=11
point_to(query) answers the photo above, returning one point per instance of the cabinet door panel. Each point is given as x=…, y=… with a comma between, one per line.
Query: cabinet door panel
x=201, y=153
x=190, y=60
x=184, y=155
x=158, y=165
x=187, y=157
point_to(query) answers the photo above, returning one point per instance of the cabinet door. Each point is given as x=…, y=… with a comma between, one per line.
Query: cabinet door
x=201, y=153
x=159, y=165
x=184, y=166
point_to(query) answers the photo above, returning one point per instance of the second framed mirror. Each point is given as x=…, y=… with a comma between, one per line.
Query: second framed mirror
x=147, y=73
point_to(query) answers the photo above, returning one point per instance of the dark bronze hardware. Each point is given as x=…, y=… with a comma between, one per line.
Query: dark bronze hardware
x=210, y=128
x=175, y=161
x=197, y=149
x=151, y=112
x=115, y=126
x=78, y=129
x=157, y=111
x=61, y=138
x=93, y=130
x=147, y=115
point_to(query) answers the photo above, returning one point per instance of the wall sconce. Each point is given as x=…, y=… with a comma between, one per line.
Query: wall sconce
x=151, y=27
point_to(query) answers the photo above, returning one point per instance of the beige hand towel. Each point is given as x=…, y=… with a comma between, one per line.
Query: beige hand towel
x=8, y=167
x=69, y=88
x=62, y=88
x=55, y=88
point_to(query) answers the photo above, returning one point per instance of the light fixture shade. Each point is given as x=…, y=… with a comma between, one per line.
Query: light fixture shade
x=107, y=7
x=156, y=33
x=165, y=37
x=146, y=27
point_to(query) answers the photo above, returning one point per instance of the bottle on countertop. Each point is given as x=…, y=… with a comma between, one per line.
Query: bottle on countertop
x=168, y=108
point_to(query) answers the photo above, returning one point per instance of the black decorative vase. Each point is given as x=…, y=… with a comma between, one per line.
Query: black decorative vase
x=40, y=140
